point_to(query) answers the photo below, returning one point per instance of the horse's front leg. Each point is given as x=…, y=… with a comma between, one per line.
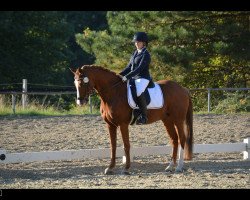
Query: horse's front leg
x=112, y=134
x=125, y=138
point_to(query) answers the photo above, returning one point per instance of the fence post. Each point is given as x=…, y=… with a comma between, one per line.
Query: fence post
x=246, y=154
x=90, y=104
x=14, y=103
x=24, y=96
x=208, y=99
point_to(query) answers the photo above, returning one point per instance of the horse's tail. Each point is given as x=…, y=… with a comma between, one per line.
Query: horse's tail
x=188, y=149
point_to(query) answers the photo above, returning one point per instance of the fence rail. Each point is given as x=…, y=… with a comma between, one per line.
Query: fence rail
x=216, y=89
x=37, y=93
x=25, y=93
x=6, y=157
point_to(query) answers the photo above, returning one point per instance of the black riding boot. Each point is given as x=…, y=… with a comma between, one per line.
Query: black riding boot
x=142, y=119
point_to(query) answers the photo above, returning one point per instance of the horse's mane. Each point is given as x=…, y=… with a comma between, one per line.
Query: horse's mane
x=98, y=68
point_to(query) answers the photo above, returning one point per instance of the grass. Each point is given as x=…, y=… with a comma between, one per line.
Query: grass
x=230, y=105
x=34, y=110
x=6, y=111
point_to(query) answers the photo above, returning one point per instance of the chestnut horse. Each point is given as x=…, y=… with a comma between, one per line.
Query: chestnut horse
x=176, y=113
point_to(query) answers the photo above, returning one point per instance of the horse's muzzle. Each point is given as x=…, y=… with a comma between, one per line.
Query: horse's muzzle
x=81, y=102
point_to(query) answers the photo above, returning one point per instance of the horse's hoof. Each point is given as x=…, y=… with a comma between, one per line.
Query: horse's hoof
x=178, y=170
x=125, y=172
x=108, y=171
x=169, y=169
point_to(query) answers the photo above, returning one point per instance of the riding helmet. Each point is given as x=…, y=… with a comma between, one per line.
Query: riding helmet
x=140, y=37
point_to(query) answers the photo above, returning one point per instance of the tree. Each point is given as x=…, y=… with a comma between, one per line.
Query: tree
x=80, y=20
x=197, y=49
x=40, y=46
x=33, y=46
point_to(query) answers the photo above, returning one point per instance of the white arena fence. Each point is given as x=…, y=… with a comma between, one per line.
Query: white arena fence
x=82, y=154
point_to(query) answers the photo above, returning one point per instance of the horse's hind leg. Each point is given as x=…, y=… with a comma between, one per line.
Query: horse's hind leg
x=179, y=167
x=113, y=135
x=174, y=141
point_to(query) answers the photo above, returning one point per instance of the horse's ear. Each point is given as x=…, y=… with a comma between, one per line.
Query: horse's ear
x=72, y=70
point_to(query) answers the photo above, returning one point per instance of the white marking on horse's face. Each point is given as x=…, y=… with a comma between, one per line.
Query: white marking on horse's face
x=76, y=83
x=77, y=92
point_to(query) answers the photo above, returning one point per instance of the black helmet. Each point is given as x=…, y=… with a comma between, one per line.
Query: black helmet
x=140, y=37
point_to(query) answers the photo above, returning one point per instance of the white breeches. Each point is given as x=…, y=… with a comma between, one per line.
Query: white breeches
x=141, y=85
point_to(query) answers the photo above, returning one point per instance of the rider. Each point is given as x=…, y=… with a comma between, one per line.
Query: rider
x=137, y=70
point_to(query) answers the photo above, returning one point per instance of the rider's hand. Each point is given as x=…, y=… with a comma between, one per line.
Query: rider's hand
x=124, y=79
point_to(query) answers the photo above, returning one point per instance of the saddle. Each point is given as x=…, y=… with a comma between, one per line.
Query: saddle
x=152, y=90
x=146, y=92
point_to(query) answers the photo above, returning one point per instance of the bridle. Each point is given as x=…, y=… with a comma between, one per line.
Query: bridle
x=86, y=86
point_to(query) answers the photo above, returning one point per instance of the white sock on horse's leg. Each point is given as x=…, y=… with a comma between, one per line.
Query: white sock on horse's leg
x=171, y=166
x=180, y=160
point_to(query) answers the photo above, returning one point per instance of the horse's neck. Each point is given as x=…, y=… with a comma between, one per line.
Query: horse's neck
x=104, y=84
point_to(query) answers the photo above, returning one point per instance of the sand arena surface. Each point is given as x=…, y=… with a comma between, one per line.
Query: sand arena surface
x=211, y=170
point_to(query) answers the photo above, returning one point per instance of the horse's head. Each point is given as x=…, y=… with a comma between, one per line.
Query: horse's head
x=83, y=86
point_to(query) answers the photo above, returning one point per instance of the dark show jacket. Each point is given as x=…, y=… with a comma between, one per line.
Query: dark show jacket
x=138, y=66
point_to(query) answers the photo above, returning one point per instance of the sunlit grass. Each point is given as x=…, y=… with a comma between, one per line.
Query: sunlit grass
x=51, y=111
x=230, y=105
x=48, y=111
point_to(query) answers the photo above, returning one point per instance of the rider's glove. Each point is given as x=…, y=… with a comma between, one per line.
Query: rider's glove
x=124, y=79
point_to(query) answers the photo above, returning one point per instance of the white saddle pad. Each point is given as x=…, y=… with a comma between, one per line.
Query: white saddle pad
x=156, y=97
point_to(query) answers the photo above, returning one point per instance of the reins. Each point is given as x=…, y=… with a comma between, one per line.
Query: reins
x=113, y=86
x=116, y=84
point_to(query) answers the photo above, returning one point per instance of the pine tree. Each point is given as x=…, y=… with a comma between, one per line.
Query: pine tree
x=196, y=48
